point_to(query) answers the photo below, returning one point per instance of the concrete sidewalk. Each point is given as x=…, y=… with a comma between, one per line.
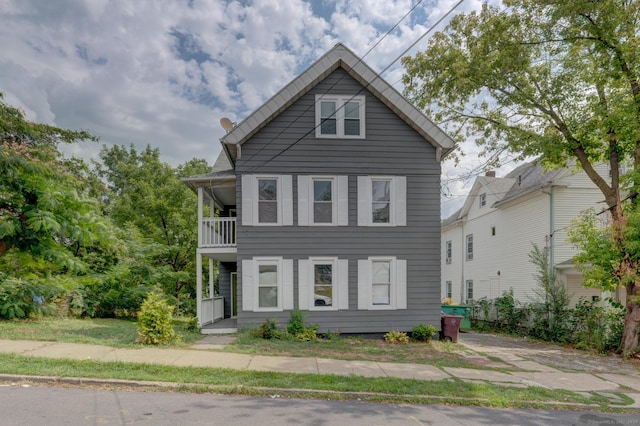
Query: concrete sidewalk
x=526, y=372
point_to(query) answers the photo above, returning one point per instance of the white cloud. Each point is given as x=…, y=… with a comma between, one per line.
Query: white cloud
x=164, y=73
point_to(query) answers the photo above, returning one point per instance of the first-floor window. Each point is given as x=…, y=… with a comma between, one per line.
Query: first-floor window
x=449, y=289
x=382, y=283
x=322, y=284
x=267, y=286
x=449, y=251
x=469, y=289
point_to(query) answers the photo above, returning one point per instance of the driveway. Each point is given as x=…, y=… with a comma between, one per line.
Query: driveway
x=512, y=349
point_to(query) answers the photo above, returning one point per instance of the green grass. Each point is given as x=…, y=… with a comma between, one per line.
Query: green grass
x=385, y=389
x=97, y=331
x=439, y=354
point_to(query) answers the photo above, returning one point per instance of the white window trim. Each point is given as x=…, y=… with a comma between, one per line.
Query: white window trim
x=466, y=290
x=448, y=289
x=250, y=288
x=250, y=200
x=339, y=282
x=468, y=255
x=448, y=251
x=339, y=195
x=483, y=199
x=398, y=198
x=340, y=101
x=397, y=291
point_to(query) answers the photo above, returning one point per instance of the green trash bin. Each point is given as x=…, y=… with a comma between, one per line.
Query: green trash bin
x=459, y=310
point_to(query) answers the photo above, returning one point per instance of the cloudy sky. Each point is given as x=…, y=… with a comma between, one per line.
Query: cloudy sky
x=163, y=73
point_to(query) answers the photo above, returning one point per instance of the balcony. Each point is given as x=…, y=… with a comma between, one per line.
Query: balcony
x=217, y=232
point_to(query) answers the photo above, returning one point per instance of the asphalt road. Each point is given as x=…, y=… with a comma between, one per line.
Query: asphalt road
x=29, y=405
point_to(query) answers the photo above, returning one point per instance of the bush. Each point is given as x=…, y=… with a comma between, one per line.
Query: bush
x=396, y=337
x=268, y=329
x=423, y=333
x=21, y=298
x=296, y=323
x=155, y=325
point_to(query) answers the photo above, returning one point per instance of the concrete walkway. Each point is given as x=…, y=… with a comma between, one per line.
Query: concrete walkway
x=524, y=372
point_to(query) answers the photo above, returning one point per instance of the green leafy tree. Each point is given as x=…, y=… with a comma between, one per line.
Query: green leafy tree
x=44, y=209
x=549, y=78
x=147, y=193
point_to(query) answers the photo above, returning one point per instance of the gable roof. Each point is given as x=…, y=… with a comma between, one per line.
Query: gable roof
x=338, y=56
x=522, y=180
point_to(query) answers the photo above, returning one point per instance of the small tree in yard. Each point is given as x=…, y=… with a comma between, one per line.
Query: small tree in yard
x=155, y=324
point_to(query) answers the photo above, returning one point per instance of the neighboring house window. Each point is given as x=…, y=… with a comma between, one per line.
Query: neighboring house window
x=382, y=283
x=323, y=200
x=493, y=231
x=267, y=200
x=267, y=284
x=448, y=251
x=470, y=247
x=469, y=289
x=449, y=289
x=323, y=283
x=382, y=201
x=340, y=116
x=483, y=200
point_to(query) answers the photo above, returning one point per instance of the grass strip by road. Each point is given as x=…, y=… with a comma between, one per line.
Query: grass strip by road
x=385, y=389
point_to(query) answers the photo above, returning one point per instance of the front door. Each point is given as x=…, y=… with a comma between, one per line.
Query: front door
x=234, y=294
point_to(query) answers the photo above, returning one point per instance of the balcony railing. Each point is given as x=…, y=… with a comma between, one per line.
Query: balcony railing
x=218, y=232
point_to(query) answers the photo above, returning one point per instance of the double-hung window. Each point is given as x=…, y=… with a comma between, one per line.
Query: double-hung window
x=267, y=284
x=267, y=200
x=449, y=289
x=483, y=200
x=382, y=201
x=323, y=200
x=448, y=251
x=469, y=290
x=323, y=283
x=469, y=243
x=382, y=283
x=340, y=116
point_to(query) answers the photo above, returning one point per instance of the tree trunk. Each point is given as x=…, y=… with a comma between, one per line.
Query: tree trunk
x=4, y=247
x=629, y=343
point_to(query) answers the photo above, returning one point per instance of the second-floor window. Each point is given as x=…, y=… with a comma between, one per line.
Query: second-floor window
x=267, y=200
x=483, y=200
x=448, y=251
x=323, y=200
x=470, y=247
x=382, y=201
x=340, y=116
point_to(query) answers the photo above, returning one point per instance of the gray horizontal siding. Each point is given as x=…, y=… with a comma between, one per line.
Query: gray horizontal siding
x=288, y=145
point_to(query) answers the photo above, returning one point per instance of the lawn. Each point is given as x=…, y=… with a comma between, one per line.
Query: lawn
x=97, y=331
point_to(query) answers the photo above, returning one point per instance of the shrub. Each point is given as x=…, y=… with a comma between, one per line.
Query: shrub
x=155, y=324
x=268, y=329
x=307, y=335
x=296, y=323
x=396, y=337
x=21, y=298
x=423, y=333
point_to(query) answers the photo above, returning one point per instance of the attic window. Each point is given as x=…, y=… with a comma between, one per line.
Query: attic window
x=483, y=200
x=340, y=116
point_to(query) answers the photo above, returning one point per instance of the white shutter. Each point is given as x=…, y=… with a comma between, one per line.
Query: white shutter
x=364, y=284
x=364, y=201
x=248, y=200
x=287, y=284
x=342, y=197
x=247, y=285
x=401, y=284
x=303, y=200
x=287, y=199
x=304, y=286
x=343, y=284
x=400, y=201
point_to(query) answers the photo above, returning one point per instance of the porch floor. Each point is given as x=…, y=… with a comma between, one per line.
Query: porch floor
x=224, y=326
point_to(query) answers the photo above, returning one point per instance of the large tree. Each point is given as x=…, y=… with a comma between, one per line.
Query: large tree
x=147, y=193
x=45, y=208
x=550, y=78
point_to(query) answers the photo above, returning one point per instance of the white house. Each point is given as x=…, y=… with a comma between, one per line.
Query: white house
x=486, y=244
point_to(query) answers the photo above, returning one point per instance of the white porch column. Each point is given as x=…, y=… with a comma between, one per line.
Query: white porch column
x=200, y=213
x=211, y=293
x=199, y=288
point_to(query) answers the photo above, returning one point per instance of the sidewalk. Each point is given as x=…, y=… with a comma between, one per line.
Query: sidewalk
x=526, y=372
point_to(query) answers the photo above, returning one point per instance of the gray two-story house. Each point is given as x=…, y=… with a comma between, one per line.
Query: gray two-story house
x=325, y=199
